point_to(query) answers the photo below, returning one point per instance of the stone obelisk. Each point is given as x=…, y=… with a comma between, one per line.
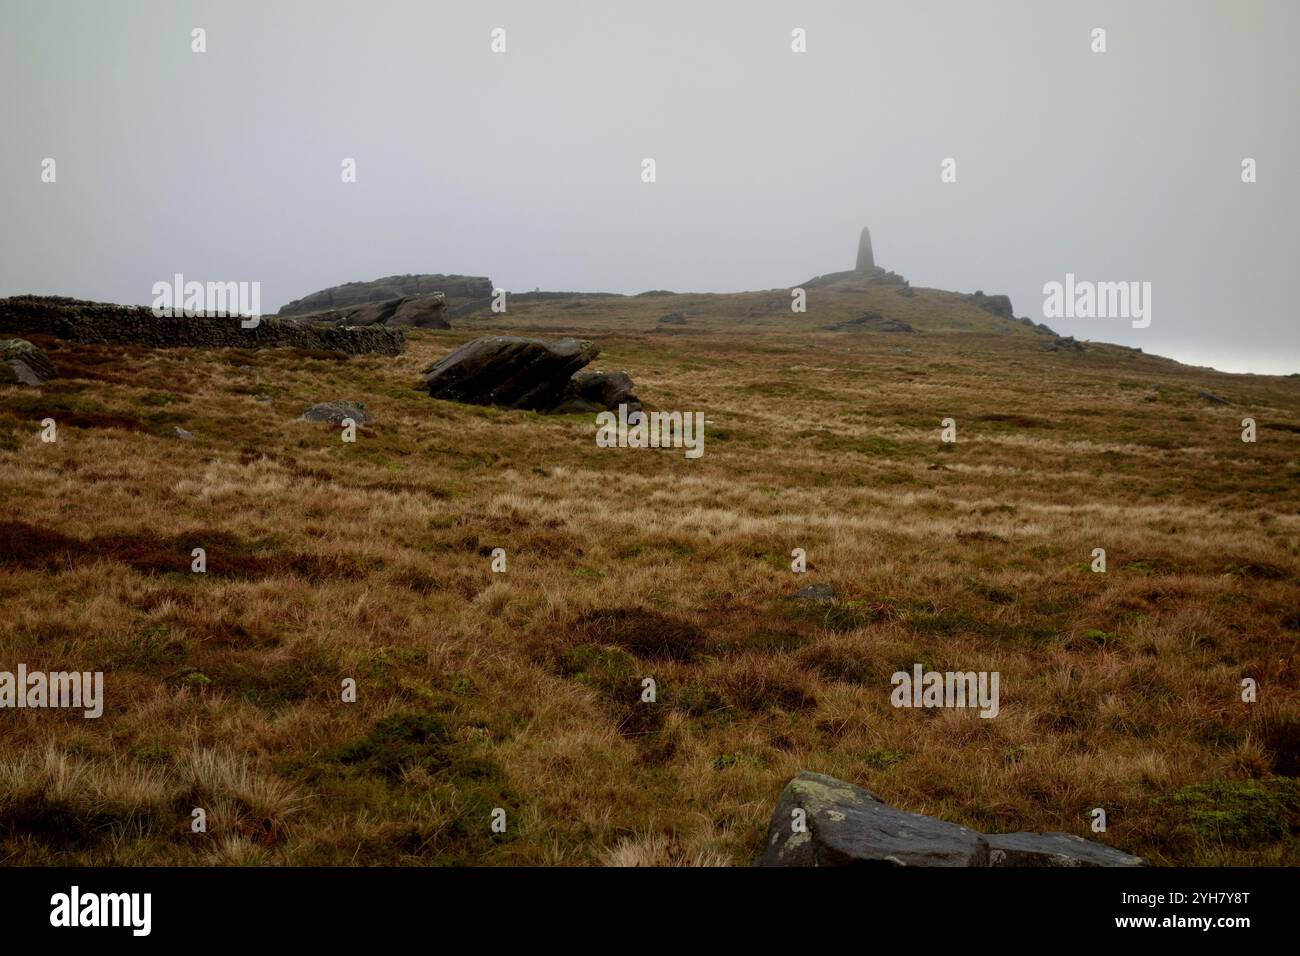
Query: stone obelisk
x=866, y=261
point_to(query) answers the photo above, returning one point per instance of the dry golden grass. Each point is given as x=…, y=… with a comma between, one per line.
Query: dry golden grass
x=521, y=690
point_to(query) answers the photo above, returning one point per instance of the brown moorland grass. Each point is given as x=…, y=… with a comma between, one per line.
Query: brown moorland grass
x=522, y=690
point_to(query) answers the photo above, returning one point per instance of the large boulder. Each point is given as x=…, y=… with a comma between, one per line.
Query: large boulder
x=846, y=825
x=22, y=363
x=1054, y=849
x=843, y=825
x=510, y=371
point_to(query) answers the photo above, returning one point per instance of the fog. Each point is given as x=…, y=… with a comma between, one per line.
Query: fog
x=526, y=165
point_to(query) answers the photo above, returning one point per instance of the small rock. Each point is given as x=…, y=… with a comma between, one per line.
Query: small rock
x=22, y=363
x=817, y=592
x=847, y=825
x=335, y=412
x=672, y=318
x=1211, y=397
x=182, y=433
x=1066, y=343
x=598, y=391
x=1054, y=849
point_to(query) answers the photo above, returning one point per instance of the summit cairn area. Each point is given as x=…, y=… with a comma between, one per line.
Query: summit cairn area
x=865, y=272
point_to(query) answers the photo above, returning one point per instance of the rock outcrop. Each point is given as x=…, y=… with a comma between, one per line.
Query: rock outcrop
x=22, y=363
x=419, y=311
x=352, y=294
x=822, y=821
x=999, y=305
x=522, y=373
x=102, y=323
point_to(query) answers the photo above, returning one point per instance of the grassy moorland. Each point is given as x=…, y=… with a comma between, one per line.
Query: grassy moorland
x=521, y=690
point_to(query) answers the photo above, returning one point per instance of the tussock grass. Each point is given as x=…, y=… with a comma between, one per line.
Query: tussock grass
x=523, y=691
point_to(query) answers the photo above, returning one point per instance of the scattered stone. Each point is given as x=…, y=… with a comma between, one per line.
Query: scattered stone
x=870, y=322
x=1054, y=849
x=817, y=592
x=102, y=323
x=335, y=412
x=598, y=391
x=523, y=373
x=182, y=434
x=894, y=325
x=22, y=363
x=1066, y=344
x=847, y=825
x=262, y=398
x=1211, y=397
x=672, y=318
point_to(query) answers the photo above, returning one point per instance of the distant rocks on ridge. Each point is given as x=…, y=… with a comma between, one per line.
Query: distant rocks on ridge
x=531, y=374
x=999, y=305
x=105, y=323
x=870, y=322
x=419, y=311
x=353, y=294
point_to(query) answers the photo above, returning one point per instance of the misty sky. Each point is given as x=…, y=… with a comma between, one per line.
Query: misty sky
x=525, y=166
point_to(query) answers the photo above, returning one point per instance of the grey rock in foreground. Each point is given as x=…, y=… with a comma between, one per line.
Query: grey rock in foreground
x=1054, y=849
x=523, y=373
x=850, y=826
x=335, y=412
x=846, y=825
x=22, y=363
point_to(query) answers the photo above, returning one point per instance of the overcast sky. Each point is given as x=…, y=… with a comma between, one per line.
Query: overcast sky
x=526, y=166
